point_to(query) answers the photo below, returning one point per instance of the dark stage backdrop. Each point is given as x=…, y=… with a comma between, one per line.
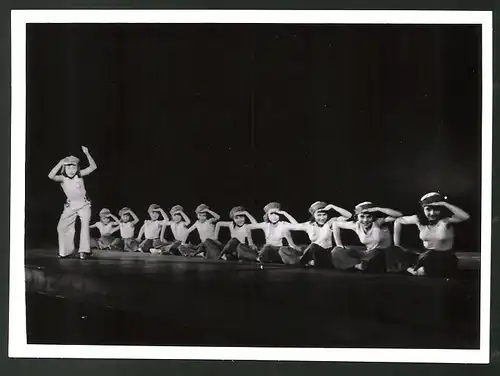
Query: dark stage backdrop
x=246, y=114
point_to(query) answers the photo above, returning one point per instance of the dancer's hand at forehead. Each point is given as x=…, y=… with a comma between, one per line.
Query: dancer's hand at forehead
x=437, y=203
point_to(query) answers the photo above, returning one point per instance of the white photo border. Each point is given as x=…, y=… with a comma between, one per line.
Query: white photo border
x=18, y=347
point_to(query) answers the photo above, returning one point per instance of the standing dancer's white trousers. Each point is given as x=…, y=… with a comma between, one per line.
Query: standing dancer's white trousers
x=66, y=227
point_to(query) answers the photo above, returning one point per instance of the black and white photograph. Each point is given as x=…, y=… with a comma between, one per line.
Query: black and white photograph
x=233, y=184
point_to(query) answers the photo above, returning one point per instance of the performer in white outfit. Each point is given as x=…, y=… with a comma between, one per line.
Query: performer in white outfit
x=67, y=172
x=107, y=226
x=437, y=234
x=153, y=230
x=236, y=248
x=275, y=231
x=180, y=230
x=206, y=230
x=319, y=230
x=372, y=232
x=128, y=220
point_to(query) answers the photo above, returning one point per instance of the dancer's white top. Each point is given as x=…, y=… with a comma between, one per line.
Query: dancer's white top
x=127, y=230
x=152, y=228
x=438, y=237
x=376, y=237
x=105, y=229
x=239, y=232
x=275, y=233
x=74, y=188
x=320, y=235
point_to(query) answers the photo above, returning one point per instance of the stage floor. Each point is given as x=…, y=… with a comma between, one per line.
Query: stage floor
x=143, y=299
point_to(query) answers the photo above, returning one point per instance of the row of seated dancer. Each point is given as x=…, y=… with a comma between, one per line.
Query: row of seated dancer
x=380, y=252
x=369, y=222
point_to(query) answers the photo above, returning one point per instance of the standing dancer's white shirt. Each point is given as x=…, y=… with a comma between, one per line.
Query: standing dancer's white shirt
x=73, y=188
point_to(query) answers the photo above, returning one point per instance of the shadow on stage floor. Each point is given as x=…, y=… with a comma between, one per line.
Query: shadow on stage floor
x=138, y=299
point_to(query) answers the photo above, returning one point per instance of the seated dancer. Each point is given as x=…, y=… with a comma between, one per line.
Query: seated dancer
x=108, y=224
x=128, y=220
x=236, y=248
x=179, y=227
x=319, y=230
x=151, y=229
x=77, y=204
x=275, y=231
x=372, y=233
x=206, y=230
x=435, y=224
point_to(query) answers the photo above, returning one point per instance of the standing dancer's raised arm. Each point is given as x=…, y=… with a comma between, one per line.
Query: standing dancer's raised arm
x=92, y=165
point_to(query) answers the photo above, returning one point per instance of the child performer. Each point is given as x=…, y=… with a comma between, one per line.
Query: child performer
x=77, y=204
x=236, y=247
x=179, y=227
x=128, y=220
x=107, y=228
x=152, y=229
x=373, y=234
x=275, y=231
x=319, y=230
x=206, y=231
x=437, y=234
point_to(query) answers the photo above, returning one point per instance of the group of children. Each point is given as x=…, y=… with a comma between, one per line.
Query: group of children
x=380, y=252
x=151, y=236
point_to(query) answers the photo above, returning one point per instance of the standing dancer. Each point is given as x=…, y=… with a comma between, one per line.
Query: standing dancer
x=236, y=247
x=77, y=204
x=319, y=230
x=373, y=234
x=275, y=231
x=437, y=234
